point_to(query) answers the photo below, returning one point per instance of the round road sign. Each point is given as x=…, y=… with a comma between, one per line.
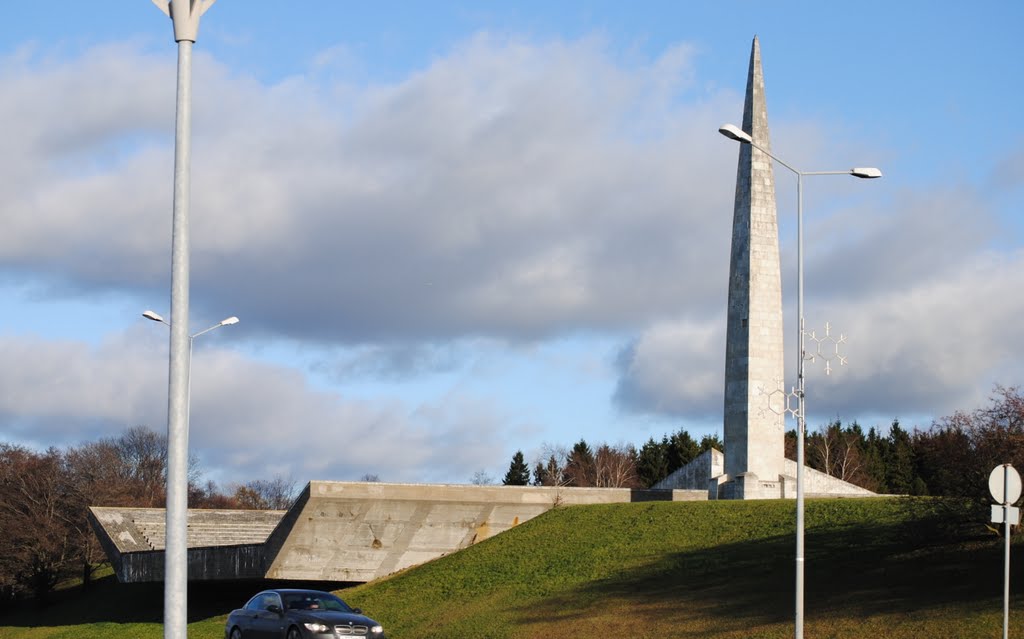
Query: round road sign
x=1004, y=477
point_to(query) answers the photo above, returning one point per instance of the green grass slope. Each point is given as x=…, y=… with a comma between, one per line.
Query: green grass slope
x=883, y=567
x=888, y=567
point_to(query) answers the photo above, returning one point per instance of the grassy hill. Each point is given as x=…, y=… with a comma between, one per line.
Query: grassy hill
x=883, y=567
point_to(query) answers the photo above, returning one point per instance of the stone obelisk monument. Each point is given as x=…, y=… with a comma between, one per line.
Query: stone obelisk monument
x=754, y=353
x=754, y=464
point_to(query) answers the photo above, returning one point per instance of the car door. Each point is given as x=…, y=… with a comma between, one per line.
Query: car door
x=244, y=618
x=268, y=622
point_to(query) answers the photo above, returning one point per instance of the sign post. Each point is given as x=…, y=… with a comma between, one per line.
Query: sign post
x=1005, y=486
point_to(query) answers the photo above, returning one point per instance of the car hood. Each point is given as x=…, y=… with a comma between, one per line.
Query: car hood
x=332, y=618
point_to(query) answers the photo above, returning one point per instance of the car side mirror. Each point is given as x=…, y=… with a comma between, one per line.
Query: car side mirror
x=358, y=611
x=275, y=609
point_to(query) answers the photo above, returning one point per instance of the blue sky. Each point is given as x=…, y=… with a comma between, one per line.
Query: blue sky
x=454, y=230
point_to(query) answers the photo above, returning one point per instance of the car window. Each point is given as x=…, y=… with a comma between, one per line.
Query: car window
x=273, y=599
x=254, y=603
x=315, y=601
x=263, y=601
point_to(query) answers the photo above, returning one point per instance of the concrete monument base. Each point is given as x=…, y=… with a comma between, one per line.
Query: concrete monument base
x=706, y=471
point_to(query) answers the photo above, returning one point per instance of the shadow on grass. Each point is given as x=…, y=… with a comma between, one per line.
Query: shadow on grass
x=106, y=600
x=852, y=571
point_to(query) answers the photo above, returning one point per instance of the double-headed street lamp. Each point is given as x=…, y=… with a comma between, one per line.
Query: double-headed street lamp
x=733, y=132
x=176, y=523
x=148, y=314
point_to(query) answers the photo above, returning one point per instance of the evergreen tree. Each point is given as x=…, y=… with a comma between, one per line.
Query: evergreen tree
x=518, y=472
x=580, y=469
x=876, y=450
x=652, y=462
x=789, y=444
x=550, y=474
x=707, y=442
x=681, y=450
x=540, y=475
x=899, y=463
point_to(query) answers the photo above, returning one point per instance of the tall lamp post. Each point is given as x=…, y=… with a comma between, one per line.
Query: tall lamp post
x=733, y=132
x=176, y=556
x=185, y=15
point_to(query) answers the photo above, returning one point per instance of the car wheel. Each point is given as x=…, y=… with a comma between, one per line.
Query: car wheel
x=236, y=633
x=293, y=633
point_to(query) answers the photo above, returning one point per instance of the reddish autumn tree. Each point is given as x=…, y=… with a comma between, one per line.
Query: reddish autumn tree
x=41, y=520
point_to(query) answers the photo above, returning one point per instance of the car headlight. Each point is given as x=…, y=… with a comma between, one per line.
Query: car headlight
x=317, y=627
x=377, y=630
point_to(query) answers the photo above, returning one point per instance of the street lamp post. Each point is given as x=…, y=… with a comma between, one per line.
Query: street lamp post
x=185, y=15
x=150, y=315
x=733, y=132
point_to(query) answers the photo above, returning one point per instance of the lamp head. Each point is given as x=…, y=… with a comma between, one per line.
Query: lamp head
x=733, y=132
x=229, y=321
x=866, y=172
x=150, y=315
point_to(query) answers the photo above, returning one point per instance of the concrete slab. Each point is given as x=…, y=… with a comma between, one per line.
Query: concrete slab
x=342, y=531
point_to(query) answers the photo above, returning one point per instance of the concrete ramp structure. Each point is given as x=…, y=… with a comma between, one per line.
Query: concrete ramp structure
x=222, y=544
x=342, y=531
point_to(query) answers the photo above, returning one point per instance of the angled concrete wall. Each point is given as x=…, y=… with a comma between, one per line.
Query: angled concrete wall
x=695, y=475
x=222, y=544
x=819, y=484
x=341, y=531
x=355, y=531
x=706, y=470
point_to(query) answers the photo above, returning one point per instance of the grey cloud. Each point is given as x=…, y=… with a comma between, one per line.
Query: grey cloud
x=507, y=190
x=883, y=247
x=675, y=368
x=931, y=347
x=391, y=362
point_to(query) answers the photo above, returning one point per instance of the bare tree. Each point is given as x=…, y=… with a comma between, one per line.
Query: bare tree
x=482, y=478
x=38, y=514
x=260, y=494
x=615, y=467
x=549, y=469
x=837, y=451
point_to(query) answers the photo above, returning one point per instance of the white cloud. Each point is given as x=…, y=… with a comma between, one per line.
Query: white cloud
x=510, y=190
x=249, y=419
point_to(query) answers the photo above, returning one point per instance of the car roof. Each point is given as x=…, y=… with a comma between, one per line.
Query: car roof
x=292, y=591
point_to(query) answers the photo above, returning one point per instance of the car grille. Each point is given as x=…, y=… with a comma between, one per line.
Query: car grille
x=351, y=631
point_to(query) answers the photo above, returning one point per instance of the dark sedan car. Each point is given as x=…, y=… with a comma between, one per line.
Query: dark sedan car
x=299, y=614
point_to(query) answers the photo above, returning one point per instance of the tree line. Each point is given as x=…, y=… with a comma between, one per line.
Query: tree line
x=610, y=466
x=44, y=496
x=45, y=536
x=951, y=458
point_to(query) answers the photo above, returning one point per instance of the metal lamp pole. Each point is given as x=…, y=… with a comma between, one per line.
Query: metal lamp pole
x=176, y=593
x=150, y=315
x=733, y=132
x=185, y=15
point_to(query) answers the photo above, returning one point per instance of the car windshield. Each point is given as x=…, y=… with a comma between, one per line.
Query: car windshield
x=315, y=601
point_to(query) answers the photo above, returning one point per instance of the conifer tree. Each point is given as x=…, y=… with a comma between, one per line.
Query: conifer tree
x=652, y=462
x=580, y=468
x=518, y=472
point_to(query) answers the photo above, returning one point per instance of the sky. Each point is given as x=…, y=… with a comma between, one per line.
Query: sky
x=455, y=230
